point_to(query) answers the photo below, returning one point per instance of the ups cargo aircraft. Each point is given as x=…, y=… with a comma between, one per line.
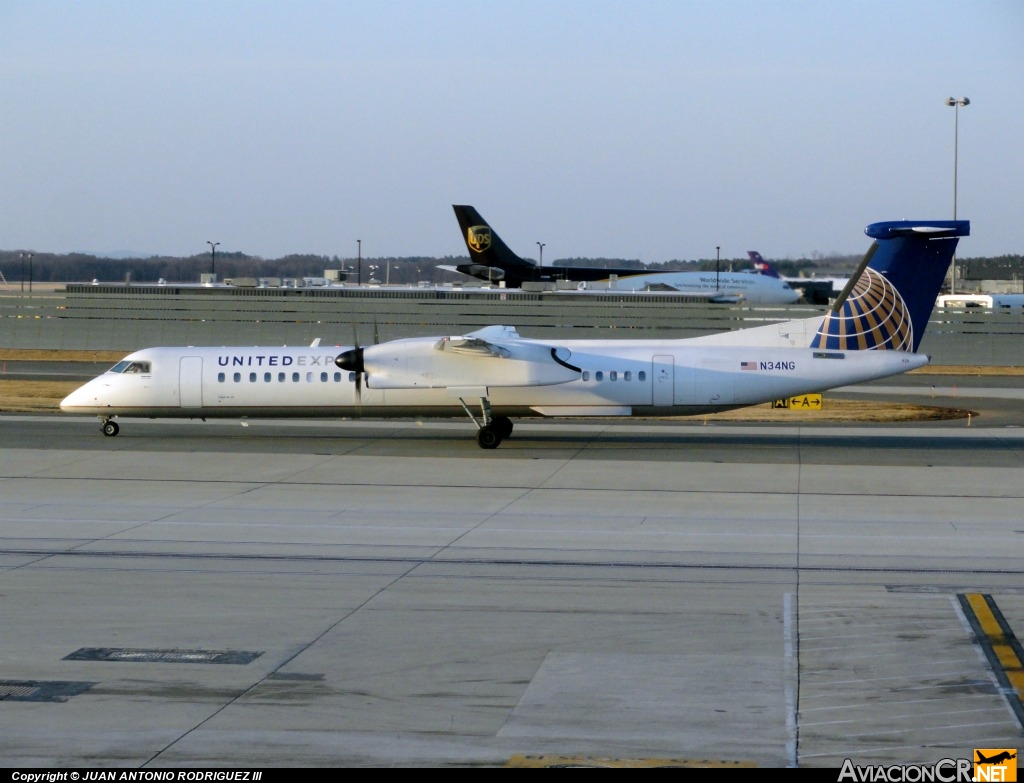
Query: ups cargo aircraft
x=873, y=330
x=492, y=260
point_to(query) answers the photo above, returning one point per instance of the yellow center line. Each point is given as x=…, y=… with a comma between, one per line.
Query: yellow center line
x=1012, y=666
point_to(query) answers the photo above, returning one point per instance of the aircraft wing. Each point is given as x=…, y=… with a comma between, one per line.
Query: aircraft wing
x=655, y=285
x=482, y=342
x=479, y=271
x=716, y=297
x=471, y=347
x=494, y=356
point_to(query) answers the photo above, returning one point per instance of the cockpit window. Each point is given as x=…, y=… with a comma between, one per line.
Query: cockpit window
x=131, y=367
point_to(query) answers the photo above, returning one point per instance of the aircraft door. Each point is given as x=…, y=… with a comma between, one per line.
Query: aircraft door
x=663, y=377
x=190, y=382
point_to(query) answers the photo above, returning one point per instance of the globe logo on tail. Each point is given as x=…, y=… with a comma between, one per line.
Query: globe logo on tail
x=873, y=317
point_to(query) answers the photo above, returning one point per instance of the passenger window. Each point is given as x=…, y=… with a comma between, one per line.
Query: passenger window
x=252, y=377
x=220, y=377
x=309, y=377
x=323, y=377
x=627, y=376
x=599, y=376
x=267, y=377
x=641, y=376
x=237, y=377
x=586, y=375
x=295, y=377
x=613, y=375
x=280, y=377
x=351, y=377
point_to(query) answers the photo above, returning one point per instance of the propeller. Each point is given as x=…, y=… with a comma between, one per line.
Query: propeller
x=352, y=360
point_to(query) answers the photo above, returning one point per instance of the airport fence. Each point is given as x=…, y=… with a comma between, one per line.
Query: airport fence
x=119, y=317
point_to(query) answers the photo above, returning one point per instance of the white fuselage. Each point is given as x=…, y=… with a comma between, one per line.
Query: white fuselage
x=750, y=287
x=614, y=378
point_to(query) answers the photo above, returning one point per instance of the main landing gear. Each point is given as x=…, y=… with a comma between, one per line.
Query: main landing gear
x=491, y=435
x=109, y=428
x=491, y=430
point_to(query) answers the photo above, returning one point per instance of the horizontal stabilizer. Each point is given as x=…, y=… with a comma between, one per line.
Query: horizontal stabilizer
x=933, y=229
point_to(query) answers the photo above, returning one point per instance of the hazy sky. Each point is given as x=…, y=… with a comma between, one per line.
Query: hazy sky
x=634, y=129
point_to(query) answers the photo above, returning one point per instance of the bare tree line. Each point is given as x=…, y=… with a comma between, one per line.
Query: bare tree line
x=23, y=265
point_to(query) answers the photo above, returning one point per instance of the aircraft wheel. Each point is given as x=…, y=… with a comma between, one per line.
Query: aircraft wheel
x=110, y=428
x=488, y=438
x=502, y=425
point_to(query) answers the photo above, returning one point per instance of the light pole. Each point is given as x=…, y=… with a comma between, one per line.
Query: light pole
x=718, y=258
x=956, y=103
x=213, y=256
x=541, y=246
x=22, y=257
x=359, y=251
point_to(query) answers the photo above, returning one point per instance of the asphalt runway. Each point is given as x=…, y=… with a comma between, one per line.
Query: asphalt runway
x=388, y=594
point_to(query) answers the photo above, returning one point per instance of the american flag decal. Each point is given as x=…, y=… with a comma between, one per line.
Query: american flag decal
x=748, y=365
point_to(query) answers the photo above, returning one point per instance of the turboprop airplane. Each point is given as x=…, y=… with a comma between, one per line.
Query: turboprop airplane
x=873, y=330
x=492, y=260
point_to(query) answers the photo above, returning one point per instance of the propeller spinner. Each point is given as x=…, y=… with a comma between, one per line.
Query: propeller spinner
x=352, y=360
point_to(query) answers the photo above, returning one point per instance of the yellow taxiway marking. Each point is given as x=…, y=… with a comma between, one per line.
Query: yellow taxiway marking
x=1000, y=638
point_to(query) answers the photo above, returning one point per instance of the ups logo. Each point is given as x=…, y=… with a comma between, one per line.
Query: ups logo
x=478, y=238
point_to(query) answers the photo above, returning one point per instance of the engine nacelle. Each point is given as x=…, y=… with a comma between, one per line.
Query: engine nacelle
x=429, y=363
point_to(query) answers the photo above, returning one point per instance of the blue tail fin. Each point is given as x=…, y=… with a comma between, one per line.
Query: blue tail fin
x=887, y=305
x=761, y=266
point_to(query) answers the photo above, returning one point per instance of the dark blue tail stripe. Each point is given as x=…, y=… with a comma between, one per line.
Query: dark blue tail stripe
x=889, y=307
